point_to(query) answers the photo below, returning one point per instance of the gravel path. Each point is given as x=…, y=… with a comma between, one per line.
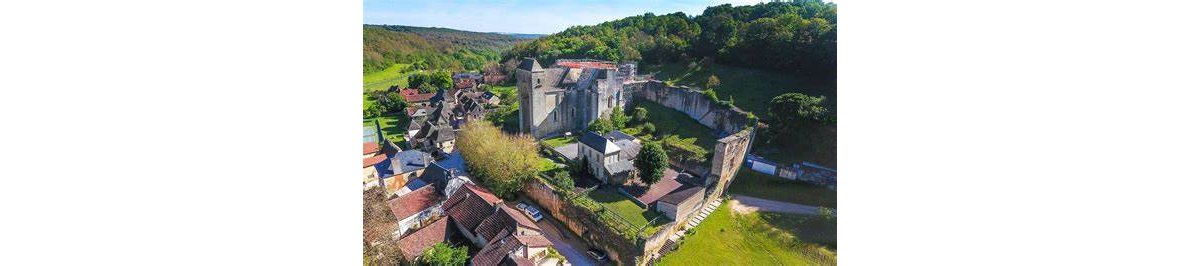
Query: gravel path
x=746, y=204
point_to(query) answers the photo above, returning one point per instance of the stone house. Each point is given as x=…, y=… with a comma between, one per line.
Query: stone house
x=681, y=203
x=604, y=159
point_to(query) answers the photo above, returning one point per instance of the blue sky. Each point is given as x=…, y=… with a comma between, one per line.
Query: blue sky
x=522, y=16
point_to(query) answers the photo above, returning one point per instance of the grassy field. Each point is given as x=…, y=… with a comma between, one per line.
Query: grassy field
x=818, y=145
x=393, y=128
x=667, y=121
x=759, y=185
x=623, y=206
x=760, y=238
x=388, y=77
x=560, y=141
x=751, y=89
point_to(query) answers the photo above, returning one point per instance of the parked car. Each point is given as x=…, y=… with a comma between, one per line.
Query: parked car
x=597, y=254
x=530, y=211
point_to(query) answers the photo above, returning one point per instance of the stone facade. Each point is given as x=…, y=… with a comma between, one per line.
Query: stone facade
x=569, y=94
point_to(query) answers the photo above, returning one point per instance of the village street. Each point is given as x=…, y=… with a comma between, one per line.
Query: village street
x=746, y=204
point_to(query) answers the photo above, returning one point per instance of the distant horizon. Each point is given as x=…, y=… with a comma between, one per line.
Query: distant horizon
x=535, y=16
x=438, y=27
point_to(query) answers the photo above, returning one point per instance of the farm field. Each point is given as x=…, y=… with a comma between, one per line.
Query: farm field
x=391, y=76
x=758, y=238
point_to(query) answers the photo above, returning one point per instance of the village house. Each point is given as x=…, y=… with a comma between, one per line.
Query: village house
x=504, y=235
x=437, y=130
x=373, y=159
x=415, y=244
x=604, y=160
x=415, y=207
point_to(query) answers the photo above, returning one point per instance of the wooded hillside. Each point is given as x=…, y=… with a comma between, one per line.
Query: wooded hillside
x=794, y=37
x=431, y=48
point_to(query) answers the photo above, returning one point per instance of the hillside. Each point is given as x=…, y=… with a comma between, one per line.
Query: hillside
x=795, y=37
x=387, y=45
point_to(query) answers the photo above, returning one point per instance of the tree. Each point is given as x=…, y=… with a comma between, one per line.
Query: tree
x=443, y=254
x=713, y=82
x=441, y=79
x=791, y=112
x=648, y=128
x=618, y=118
x=417, y=79
x=378, y=224
x=640, y=114
x=427, y=88
x=503, y=162
x=651, y=162
x=601, y=125
x=562, y=180
x=372, y=111
x=392, y=102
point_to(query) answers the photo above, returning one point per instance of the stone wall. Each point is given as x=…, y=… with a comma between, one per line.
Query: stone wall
x=737, y=127
x=694, y=104
x=583, y=222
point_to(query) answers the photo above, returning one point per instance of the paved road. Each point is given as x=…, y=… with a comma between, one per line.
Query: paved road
x=745, y=204
x=562, y=240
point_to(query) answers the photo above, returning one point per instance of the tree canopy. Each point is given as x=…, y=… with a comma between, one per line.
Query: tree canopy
x=798, y=36
x=651, y=162
x=790, y=112
x=425, y=48
x=503, y=162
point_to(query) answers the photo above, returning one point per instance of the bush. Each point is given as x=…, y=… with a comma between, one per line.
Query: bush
x=601, y=126
x=443, y=254
x=562, y=180
x=640, y=114
x=648, y=128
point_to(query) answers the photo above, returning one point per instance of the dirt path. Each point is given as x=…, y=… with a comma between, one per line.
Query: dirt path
x=746, y=204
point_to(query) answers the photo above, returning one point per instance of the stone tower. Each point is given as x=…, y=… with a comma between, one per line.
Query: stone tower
x=530, y=78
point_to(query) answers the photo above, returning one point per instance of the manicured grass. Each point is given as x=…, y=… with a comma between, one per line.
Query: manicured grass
x=388, y=77
x=668, y=121
x=560, y=141
x=392, y=126
x=759, y=185
x=760, y=238
x=623, y=206
x=751, y=89
x=548, y=166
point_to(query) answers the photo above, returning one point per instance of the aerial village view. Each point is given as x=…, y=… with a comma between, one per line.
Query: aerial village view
x=703, y=138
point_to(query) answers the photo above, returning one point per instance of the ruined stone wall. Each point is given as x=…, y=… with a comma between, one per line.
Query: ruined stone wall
x=583, y=222
x=694, y=104
x=737, y=127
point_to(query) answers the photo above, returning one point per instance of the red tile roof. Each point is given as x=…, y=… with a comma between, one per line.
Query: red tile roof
x=587, y=65
x=416, y=243
x=656, y=191
x=537, y=241
x=370, y=147
x=467, y=208
x=496, y=250
x=414, y=202
x=484, y=193
x=368, y=162
x=413, y=95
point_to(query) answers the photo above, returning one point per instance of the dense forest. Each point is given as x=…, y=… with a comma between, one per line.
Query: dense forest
x=799, y=36
x=432, y=48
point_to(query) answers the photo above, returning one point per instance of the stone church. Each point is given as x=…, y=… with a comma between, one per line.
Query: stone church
x=569, y=94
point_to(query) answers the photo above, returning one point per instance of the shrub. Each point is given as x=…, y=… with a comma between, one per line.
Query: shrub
x=443, y=254
x=562, y=180
x=640, y=114
x=649, y=128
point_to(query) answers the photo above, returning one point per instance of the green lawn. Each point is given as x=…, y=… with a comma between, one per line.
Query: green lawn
x=751, y=89
x=623, y=206
x=759, y=238
x=393, y=128
x=548, y=166
x=759, y=185
x=388, y=77
x=560, y=141
x=668, y=121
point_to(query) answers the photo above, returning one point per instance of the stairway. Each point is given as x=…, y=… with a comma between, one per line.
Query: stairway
x=708, y=209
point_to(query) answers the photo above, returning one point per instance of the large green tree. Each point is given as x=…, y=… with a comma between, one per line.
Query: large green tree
x=651, y=162
x=791, y=112
x=502, y=161
x=618, y=118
